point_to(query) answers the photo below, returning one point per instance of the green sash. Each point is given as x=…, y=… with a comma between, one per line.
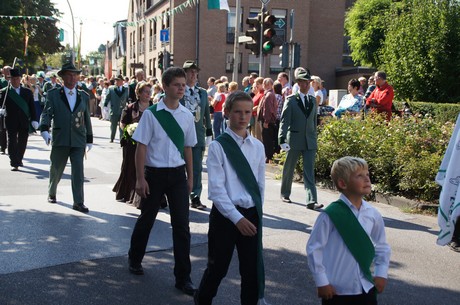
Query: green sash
x=171, y=127
x=242, y=168
x=21, y=104
x=353, y=234
x=19, y=101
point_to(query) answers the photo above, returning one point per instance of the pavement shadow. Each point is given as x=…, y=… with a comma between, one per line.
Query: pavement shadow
x=407, y=226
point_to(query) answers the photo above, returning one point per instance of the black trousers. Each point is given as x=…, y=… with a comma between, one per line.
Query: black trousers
x=17, y=143
x=2, y=139
x=173, y=183
x=369, y=298
x=268, y=138
x=223, y=236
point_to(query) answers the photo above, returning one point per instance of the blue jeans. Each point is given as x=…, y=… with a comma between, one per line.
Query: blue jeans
x=217, y=124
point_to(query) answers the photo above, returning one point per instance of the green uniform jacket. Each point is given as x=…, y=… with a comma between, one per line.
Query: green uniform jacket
x=203, y=125
x=69, y=128
x=116, y=99
x=49, y=86
x=295, y=128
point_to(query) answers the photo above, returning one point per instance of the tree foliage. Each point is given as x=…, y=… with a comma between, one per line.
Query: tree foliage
x=43, y=33
x=421, y=51
x=366, y=23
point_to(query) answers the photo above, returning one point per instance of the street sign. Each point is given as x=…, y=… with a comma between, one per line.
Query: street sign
x=164, y=35
x=280, y=23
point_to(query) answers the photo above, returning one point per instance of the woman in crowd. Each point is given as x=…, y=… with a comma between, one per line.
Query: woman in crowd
x=217, y=104
x=351, y=102
x=125, y=186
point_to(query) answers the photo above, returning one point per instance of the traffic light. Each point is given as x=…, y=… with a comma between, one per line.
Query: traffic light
x=254, y=33
x=168, y=60
x=160, y=61
x=268, y=26
x=284, y=55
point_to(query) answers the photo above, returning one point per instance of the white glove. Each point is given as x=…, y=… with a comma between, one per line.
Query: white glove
x=34, y=124
x=46, y=136
x=285, y=147
x=3, y=111
x=208, y=140
x=88, y=147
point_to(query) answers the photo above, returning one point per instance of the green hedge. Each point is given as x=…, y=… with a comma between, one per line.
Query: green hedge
x=440, y=112
x=403, y=154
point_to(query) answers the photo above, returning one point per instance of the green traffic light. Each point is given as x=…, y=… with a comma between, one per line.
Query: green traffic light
x=268, y=47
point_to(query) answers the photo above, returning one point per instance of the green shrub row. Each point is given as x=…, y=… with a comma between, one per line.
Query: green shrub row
x=440, y=112
x=403, y=154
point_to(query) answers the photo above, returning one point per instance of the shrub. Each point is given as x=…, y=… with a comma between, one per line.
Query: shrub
x=403, y=154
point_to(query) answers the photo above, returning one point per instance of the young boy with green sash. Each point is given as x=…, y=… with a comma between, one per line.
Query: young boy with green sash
x=236, y=183
x=347, y=238
x=165, y=137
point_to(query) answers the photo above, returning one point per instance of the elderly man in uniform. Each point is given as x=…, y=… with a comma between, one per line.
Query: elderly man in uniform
x=66, y=112
x=19, y=114
x=196, y=100
x=297, y=136
x=117, y=97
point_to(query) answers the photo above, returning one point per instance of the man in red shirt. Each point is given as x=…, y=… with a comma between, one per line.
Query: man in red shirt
x=381, y=99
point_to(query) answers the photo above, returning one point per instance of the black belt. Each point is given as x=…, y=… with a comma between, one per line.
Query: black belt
x=165, y=169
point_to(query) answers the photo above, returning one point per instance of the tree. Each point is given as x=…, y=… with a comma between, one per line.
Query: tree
x=366, y=23
x=43, y=33
x=421, y=51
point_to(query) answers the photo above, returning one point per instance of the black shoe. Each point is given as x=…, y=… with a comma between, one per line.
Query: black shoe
x=111, y=141
x=3, y=152
x=314, y=206
x=454, y=246
x=186, y=287
x=80, y=207
x=135, y=268
x=52, y=199
x=21, y=164
x=285, y=199
x=196, y=204
x=14, y=169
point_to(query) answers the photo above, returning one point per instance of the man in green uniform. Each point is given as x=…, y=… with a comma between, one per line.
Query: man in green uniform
x=117, y=96
x=67, y=113
x=3, y=84
x=196, y=100
x=297, y=136
x=140, y=76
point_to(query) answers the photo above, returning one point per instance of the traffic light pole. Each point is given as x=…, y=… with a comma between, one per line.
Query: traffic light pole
x=261, y=56
x=291, y=44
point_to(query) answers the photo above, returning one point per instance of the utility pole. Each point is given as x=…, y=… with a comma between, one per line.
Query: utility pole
x=236, y=45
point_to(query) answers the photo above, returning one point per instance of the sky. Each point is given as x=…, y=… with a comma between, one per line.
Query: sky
x=98, y=17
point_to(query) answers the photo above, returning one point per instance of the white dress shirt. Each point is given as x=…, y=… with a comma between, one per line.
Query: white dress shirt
x=161, y=151
x=71, y=98
x=331, y=262
x=225, y=189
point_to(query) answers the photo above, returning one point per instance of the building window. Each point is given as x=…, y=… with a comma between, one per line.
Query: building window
x=253, y=63
x=280, y=26
x=229, y=62
x=275, y=66
x=231, y=20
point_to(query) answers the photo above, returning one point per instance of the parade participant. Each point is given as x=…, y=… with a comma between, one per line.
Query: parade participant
x=51, y=84
x=3, y=84
x=139, y=74
x=117, y=97
x=347, y=238
x=20, y=119
x=236, y=171
x=126, y=183
x=165, y=137
x=297, y=136
x=266, y=115
x=66, y=112
x=196, y=100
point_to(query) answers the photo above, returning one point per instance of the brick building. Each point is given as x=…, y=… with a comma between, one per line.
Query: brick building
x=207, y=36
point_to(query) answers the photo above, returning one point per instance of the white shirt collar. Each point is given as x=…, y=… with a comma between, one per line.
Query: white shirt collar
x=161, y=105
x=239, y=139
x=67, y=90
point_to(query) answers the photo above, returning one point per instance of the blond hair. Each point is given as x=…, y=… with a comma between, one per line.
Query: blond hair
x=344, y=167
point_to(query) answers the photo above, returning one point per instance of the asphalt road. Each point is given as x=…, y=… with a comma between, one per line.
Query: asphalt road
x=51, y=254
